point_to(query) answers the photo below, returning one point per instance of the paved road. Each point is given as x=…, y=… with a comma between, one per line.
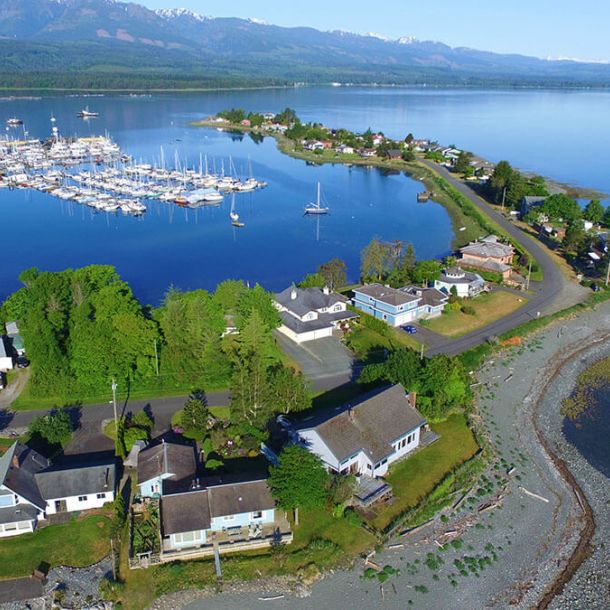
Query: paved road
x=544, y=294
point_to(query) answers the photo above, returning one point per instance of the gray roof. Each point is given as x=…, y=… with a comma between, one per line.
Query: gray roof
x=429, y=296
x=173, y=459
x=371, y=425
x=532, y=200
x=18, y=467
x=3, y=351
x=307, y=299
x=185, y=512
x=12, y=328
x=324, y=320
x=67, y=482
x=194, y=510
x=385, y=294
x=19, y=512
x=456, y=275
x=489, y=247
x=237, y=498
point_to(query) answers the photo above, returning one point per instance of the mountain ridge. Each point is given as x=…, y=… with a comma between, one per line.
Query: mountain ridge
x=108, y=37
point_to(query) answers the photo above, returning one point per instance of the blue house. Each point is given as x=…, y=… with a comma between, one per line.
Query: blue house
x=166, y=468
x=231, y=516
x=399, y=306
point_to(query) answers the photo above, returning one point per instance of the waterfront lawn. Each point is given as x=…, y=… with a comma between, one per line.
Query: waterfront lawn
x=488, y=308
x=343, y=540
x=412, y=479
x=79, y=543
x=369, y=345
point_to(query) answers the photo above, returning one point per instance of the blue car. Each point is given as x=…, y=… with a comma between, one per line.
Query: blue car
x=411, y=330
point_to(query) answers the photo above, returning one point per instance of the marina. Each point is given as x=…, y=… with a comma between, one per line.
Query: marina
x=93, y=171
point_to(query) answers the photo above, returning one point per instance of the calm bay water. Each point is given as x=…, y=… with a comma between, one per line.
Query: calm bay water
x=590, y=431
x=559, y=134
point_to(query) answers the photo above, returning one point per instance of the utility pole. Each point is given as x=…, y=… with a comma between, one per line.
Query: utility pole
x=114, y=386
x=156, y=359
x=529, y=275
x=608, y=271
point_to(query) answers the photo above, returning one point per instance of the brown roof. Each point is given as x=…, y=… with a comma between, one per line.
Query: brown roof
x=186, y=512
x=172, y=459
x=385, y=294
x=371, y=425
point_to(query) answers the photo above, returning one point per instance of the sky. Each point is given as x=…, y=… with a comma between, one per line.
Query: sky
x=575, y=29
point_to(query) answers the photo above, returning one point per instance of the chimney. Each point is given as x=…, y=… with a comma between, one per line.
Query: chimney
x=412, y=399
x=15, y=461
x=293, y=294
x=326, y=290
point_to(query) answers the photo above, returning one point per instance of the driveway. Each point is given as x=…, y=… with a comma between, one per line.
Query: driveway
x=326, y=362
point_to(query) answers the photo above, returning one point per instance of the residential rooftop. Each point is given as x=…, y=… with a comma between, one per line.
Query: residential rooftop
x=370, y=425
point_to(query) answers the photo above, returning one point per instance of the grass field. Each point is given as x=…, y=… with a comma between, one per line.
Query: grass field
x=365, y=342
x=79, y=543
x=415, y=477
x=488, y=307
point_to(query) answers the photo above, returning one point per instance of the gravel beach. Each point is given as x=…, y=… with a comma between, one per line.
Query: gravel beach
x=520, y=549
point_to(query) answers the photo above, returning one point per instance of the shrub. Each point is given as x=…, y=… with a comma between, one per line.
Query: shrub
x=468, y=310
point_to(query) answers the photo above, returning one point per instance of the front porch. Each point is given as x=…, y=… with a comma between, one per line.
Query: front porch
x=231, y=540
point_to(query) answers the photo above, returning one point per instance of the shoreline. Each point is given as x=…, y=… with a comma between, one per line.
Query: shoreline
x=557, y=556
x=415, y=170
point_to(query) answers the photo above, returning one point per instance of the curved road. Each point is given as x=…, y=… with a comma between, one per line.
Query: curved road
x=544, y=293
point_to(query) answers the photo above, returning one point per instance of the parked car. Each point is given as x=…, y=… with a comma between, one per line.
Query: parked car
x=410, y=330
x=22, y=362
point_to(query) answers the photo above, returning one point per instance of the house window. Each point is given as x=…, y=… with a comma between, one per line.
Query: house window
x=10, y=527
x=6, y=501
x=369, y=467
x=257, y=514
x=24, y=525
x=338, y=307
x=101, y=496
x=229, y=518
x=385, y=317
x=82, y=498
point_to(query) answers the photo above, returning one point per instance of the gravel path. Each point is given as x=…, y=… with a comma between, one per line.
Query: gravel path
x=530, y=540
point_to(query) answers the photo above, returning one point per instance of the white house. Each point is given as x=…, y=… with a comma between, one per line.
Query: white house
x=70, y=489
x=227, y=515
x=366, y=437
x=311, y=313
x=30, y=489
x=6, y=360
x=21, y=504
x=466, y=283
x=166, y=468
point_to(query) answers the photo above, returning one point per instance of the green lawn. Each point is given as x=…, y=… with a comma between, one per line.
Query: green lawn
x=365, y=342
x=26, y=401
x=488, y=308
x=79, y=543
x=414, y=478
x=345, y=540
